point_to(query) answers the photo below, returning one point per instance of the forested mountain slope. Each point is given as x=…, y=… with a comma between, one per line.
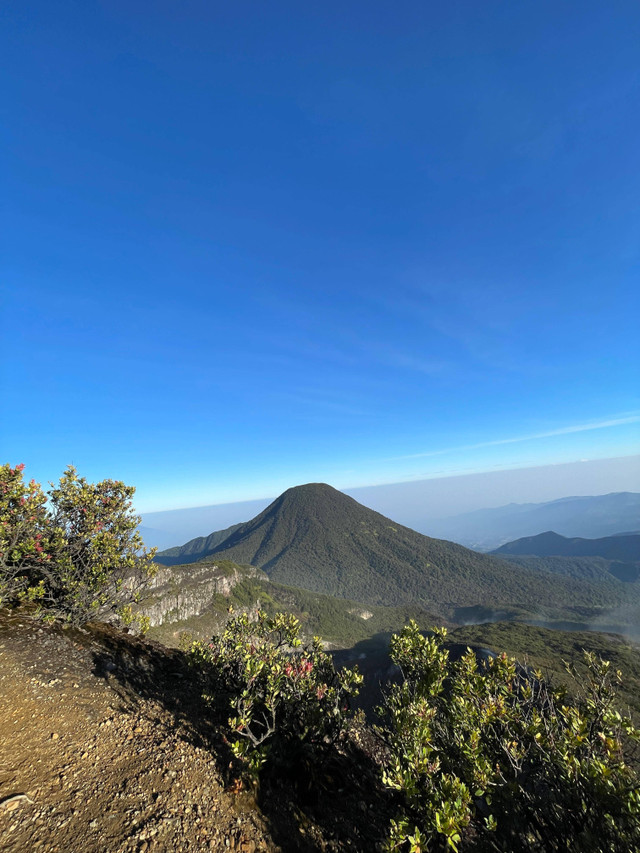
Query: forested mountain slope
x=317, y=538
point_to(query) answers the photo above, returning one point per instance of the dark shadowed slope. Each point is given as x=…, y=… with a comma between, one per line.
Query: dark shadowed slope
x=317, y=538
x=610, y=559
x=550, y=544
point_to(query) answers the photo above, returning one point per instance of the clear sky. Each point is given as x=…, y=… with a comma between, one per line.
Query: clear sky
x=251, y=245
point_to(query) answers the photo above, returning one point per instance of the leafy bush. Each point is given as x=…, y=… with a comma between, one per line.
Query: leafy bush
x=24, y=534
x=489, y=757
x=78, y=558
x=288, y=703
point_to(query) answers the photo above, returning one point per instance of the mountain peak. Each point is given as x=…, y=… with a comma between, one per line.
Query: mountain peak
x=317, y=500
x=311, y=487
x=315, y=490
x=315, y=537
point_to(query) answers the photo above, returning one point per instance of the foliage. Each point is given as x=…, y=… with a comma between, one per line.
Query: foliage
x=340, y=620
x=606, y=573
x=78, y=558
x=288, y=703
x=24, y=533
x=545, y=649
x=488, y=756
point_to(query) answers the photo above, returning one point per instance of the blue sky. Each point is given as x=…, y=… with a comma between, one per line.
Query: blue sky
x=252, y=245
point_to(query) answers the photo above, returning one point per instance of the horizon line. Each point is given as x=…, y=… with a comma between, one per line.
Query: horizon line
x=399, y=482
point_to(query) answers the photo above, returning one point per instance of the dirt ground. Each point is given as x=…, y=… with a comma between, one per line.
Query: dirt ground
x=104, y=746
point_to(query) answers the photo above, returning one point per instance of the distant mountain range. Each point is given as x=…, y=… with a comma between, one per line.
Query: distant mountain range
x=483, y=529
x=550, y=544
x=319, y=539
x=592, y=517
x=595, y=559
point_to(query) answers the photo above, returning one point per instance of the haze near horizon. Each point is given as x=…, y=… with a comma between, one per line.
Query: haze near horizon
x=422, y=505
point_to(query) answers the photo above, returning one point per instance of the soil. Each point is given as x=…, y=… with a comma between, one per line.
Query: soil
x=105, y=745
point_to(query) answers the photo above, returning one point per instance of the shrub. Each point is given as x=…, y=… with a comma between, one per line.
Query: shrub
x=78, y=558
x=24, y=532
x=489, y=757
x=288, y=704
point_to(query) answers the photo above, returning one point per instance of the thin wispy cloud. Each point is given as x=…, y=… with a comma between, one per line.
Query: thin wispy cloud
x=393, y=357
x=354, y=351
x=318, y=401
x=464, y=320
x=613, y=422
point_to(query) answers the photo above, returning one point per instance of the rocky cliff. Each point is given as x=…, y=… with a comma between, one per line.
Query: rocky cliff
x=177, y=593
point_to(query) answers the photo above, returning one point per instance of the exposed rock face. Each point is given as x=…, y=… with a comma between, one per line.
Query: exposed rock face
x=178, y=592
x=363, y=614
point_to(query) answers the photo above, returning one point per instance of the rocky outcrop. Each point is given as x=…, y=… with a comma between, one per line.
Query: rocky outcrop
x=363, y=614
x=177, y=593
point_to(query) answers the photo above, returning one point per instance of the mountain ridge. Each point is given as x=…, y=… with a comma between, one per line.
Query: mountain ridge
x=200, y=545
x=582, y=516
x=618, y=547
x=322, y=540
